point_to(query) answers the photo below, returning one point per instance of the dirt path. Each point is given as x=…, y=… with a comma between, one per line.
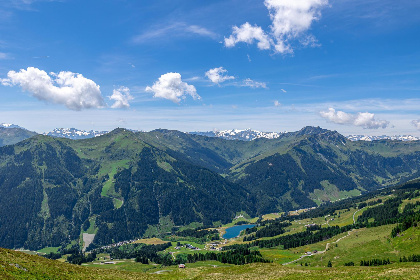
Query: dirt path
x=161, y=271
x=320, y=252
x=354, y=221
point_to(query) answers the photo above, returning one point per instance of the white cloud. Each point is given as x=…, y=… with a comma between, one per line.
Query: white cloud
x=67, y=88
x=253, y=84
x=283, y=90
x=170, y=86
x=218, y=75
x=416, y=124
x=291, y=19
x=122, y=98
x=199, y=30
x=192, y=79
x=248, y=34
x=277, y=103
x=365, y=120
x=178, y=29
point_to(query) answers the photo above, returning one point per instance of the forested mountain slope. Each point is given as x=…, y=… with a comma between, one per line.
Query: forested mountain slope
x=299, y=168
x=122, y=183
x=53, y=189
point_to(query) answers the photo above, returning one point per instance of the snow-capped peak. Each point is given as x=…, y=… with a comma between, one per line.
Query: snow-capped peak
x=73, y=133
x=383, y=137
x=9, y=125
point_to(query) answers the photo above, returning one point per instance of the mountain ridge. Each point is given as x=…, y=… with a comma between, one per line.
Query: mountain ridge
x=125, y=184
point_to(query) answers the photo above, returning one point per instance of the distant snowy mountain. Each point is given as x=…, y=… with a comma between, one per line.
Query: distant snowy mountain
x=249, y=135
x=76, y=134
x=9, y=125
x=236, y=134
x=73, y=133
x=382, y=137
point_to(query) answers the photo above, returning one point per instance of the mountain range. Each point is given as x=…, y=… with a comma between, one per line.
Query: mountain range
x=125, y=184
x=382, y=137
x=75, y=134
x=232, y=134
x=237, y=134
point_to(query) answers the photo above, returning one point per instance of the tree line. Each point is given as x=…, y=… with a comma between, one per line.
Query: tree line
x=374, y=262
x=272, y=229
x=412, y=258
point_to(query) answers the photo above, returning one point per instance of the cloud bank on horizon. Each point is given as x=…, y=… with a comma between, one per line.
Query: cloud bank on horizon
x=365, y=120
x=416, y=124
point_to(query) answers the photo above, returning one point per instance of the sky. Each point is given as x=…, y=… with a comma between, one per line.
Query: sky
x=269, y=65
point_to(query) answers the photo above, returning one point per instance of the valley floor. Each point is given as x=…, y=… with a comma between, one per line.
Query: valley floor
x=305, y=262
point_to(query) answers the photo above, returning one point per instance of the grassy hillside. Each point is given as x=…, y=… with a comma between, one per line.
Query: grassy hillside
x=17, y=265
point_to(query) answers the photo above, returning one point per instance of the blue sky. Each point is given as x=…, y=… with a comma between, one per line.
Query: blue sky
x=273, y=65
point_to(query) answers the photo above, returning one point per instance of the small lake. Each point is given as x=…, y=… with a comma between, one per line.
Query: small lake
x=235, y=231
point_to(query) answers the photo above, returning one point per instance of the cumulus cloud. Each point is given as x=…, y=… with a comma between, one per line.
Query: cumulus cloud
x=122, y=98
x=218, y=75
x=249, y=34
x=291, y=19
x=277, y=103
x=365, y=120
x=170, y=86
x=70, y=89
x=253, y=84
x=416, y=124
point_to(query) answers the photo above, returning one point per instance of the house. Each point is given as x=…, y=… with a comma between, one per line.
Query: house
x=189, y=246
x=310, y=225
x=181, y=265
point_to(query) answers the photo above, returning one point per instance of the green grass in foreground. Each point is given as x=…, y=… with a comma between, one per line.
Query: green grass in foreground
x=17, y=265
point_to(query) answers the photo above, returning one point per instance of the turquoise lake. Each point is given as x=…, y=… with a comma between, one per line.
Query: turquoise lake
x=235, y=231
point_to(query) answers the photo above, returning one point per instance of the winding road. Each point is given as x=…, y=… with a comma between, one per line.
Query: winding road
x=321, y=252
x=328, y=244
x=354, y=221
